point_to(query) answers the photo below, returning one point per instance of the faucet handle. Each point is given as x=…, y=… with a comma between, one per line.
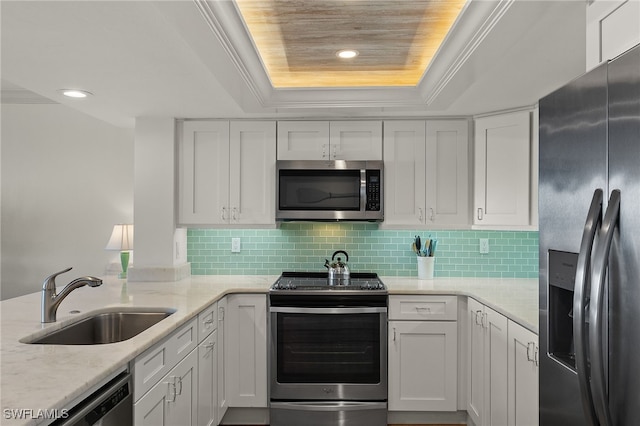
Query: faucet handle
x=50, y=281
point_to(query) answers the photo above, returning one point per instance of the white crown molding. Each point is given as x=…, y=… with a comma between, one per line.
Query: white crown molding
x=470, y=29
x=476, y=21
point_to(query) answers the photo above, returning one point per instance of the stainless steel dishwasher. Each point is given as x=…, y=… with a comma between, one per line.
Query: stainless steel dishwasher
x=110, y=405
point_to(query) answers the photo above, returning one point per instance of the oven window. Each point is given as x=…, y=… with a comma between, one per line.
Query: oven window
x=319, y=190
x=328, y=348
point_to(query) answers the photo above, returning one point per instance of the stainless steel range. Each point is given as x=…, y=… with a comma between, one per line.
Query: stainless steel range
x=328, y=350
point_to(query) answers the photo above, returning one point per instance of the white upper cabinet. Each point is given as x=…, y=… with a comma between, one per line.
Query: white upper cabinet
x=356, y=140
x=227, y=173
x=253, y=171
x=203, y=171
x=502, y=169
x=426, y=172
x=335, y=140
x=404, y=172
x=447, y=172
x=612, y=28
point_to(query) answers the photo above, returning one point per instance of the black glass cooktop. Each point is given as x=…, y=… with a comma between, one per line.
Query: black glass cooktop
x=318, y=281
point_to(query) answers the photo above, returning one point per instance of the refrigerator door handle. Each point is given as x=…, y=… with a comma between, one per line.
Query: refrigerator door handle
x=596, y=312
x=580, y=301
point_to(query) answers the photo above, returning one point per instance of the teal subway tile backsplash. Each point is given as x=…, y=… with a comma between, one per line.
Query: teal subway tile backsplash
x=304, y=246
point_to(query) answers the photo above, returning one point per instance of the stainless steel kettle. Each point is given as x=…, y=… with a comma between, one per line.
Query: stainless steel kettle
x=339, y=273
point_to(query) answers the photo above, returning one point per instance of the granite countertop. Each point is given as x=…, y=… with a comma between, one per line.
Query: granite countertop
x=43, y=377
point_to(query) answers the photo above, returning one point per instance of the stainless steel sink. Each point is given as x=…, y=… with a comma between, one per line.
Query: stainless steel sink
x=105, y=327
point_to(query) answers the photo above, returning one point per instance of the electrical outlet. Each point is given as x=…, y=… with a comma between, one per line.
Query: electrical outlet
x=235, y=245
x=484, y=245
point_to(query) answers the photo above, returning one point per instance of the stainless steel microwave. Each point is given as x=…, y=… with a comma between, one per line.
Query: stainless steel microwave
x=324, y=190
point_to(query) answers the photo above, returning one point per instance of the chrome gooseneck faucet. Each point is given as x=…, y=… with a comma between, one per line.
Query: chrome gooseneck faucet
x=51, y=300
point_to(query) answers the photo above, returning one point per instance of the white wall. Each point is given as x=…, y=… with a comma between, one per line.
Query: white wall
x=67, y=178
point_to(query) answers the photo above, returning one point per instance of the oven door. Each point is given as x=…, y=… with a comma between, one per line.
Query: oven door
x=328, y=353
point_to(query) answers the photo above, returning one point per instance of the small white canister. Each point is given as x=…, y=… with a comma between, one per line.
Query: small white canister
x=426, y=265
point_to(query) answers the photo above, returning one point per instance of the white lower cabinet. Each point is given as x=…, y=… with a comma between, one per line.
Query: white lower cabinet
x=172, y=401
x=208, y=381
x=423, y=356
x=245, y=363
x=487, y=366
x=523, y=359
x=222, y=389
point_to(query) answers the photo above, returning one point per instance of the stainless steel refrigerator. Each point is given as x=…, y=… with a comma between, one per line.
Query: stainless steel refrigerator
x=589, y=204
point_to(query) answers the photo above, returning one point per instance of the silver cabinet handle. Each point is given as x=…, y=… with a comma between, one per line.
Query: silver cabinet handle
x=208, y=322
x=485, y=320
x=210, y=345
x=580, y=296
x=531, y=347
x=536, y=356
x=420, y=216
x=480, y=214
x=172, y=385
x=224, y=210
x=221, y=314
x=479, y=315
x=394, y=334
x=234, y=214
x=431, y=214
x=597, y=308
x=180, y=383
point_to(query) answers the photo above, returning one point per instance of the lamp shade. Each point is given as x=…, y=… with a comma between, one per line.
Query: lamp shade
x=121, y=238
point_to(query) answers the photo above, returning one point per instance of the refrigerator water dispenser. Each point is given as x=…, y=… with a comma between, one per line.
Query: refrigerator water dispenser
x=562, y=274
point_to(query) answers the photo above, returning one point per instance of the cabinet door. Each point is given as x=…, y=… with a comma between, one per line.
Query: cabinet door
x=404, y=172
x=303, y=140
x=252, y=180
x=184, y=410
x=246, y=350
x=356, y=140
x=157, y=361
x=423, y=366
x=447, y=172
x=208, y=381
x=475, y=363
x=495, y=367
x=502, y=150
x=204, y=172
x=223, y=402
x=612, y=29
x=523, y=376
x=172, y=401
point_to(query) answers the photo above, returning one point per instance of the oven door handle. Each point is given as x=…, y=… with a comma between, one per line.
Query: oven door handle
x=329, y=406
x=363, y=310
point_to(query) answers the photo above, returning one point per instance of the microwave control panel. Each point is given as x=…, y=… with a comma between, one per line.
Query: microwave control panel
x=373, y=190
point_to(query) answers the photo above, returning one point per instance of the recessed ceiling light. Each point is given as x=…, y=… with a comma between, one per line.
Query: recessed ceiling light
x=75, y=93
x=347, y=53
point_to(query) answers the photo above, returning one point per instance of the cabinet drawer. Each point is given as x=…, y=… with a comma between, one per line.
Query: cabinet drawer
x=207, y=321
x=436, y=308
x=157, y=361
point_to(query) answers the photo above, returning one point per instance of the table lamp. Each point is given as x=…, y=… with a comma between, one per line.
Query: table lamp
x=122, y=240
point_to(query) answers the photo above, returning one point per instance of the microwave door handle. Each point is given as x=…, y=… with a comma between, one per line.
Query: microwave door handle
x=580, y=296
x=597, y=308
x=363, y=190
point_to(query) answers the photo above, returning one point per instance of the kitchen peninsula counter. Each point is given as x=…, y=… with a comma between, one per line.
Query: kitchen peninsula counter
x=45, y=377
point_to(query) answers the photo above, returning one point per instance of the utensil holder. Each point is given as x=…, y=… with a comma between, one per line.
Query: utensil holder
x=425, y=267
